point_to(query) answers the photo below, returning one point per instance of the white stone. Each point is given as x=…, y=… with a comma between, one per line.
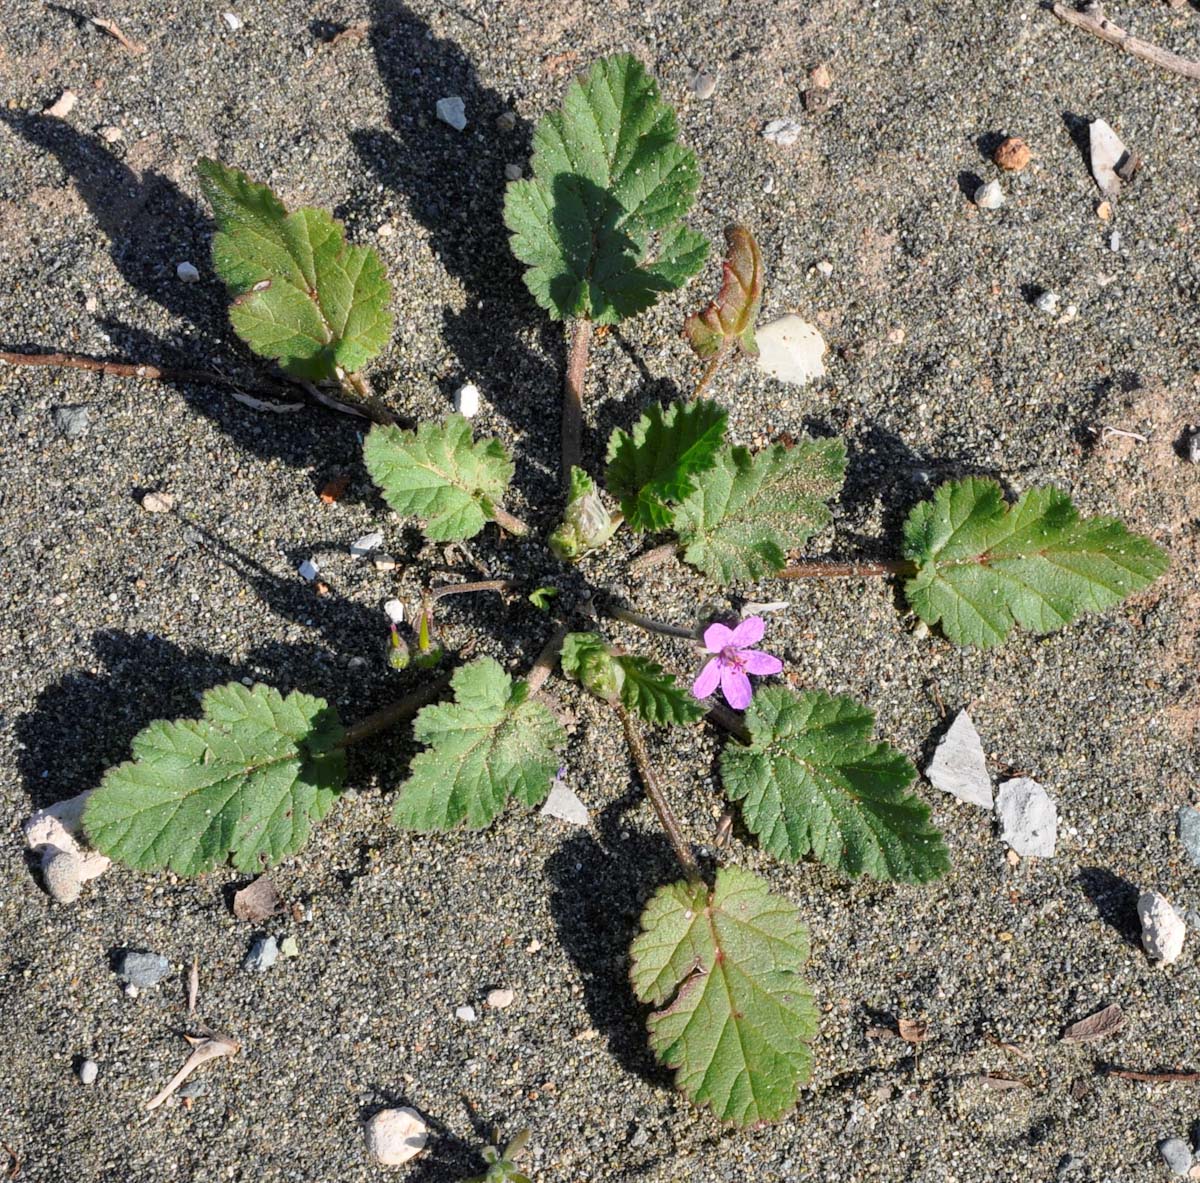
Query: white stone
x=452, y=111
x=1106, y=152
x=60, y=871
x=308, y=570
x=63, y=105
x=158, y=502
x=499, y=999
x=1163, y=928
x=466, y=1014
x=1048, y=303
x=361, y=547
x=784, y=132
x=395, y=611
x=396, y=1135
x=1114, y=242
x=825, y=267
x=88, y=1071
x=110, y=135
x=51, y=832
x=565, y=805
x=791, y=350
x=382, y=562
x=233, y=22
x=466, y=400
x=704, y=85
x=959, y=766
x=187, y=272
x=1028, y=817
x=989, y=196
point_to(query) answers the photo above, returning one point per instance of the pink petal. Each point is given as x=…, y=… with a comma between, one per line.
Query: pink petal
x=707, y=681
x=716, y=637
x=754, y=661
x=735, y=686
x=748, y=633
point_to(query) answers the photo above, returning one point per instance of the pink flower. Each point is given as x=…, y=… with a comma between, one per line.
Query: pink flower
x=732, y=660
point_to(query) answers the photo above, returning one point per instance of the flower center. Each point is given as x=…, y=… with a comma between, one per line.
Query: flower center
x=731, y=655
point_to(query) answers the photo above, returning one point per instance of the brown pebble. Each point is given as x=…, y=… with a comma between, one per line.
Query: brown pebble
x=1012, y=154
x=1104, y=210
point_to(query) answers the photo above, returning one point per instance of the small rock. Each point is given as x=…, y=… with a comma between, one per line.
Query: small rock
x=1028, y=817
x=452, y=111
x=383, y=562
x=989, y=196
x=191, y=1089
x=959, y=766
x=639, y=1138
x=395, y=611
x=1193, y=447
x=563, y=804
x=1012, y=154
x=506, y=121
x=1104, y=210
x=513, y=172
x=158, y=502
x=1070, y=312
x=73, y=421
x=361, y=547
x=60, y=871
x=88, y=1071
x=54, y=828
x=262, y=955
x=820, y=77
x=499, y=999
x=141, y=969
x=1068, y=1165
x=1114, y=242
x=817, y=100
x=1193, y=919
x=465, y=1014
x=386, y=230
x=784, y=132
x=91, y=304
x=187, y=272
x=1108, y=157
x=825, y=267
x=289, y=947
x=131, y=991
x=308, y=570
x=896, y=336
x=1163, y=928
x=110, y=135
x=396, y=1135
x=63, y=105
x=1189, y=832
x=1177, y=1154
x=703, y=84
x=1048, y=303
x=233, y=22
x=257, y=901
x=466, y=400
x=791, y=350
x=768, y=185
x=534, y=946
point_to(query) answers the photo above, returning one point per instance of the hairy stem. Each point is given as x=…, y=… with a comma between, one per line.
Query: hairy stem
x=653, y=558
x=508, y=521
x=649, y=624
x=729, y=720
x=821, y=569
x=710, y=370
x=544, y=664
x=503, y=586
x=641, y=757
x=396, y=712
x=572, y=413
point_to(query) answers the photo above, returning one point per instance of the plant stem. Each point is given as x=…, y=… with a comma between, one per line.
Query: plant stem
x=729, y=720
x=649, y=624
x=508, y=521
x=396, y=712
x=641, y=757
x=544, y=664
x=821, y=569
x=358, y=386
x=653, y=558
x=573, y=387
x=503, y=586
x=710, y=370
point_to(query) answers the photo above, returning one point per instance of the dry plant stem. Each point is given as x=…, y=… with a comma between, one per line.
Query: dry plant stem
x=572, y=412
x=641, y=757
x=820, y=569
x=653, y=558
x=503, y=586
x=394, y=713
x=650, y=625
x=508, y=521
x=543, y=667
x=1092, y=20
x=210, y=1047
x=1154, y=1077
x=114, y=30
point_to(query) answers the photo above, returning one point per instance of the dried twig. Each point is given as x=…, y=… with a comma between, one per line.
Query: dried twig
x=1153, y=1077
x=14, y=1165
x=194, y=983
x=1129, y=435
x=204, y=1048
x=114, y=30
x=1092, y=20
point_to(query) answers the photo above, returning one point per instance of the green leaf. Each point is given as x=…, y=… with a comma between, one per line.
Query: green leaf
x=608, y=175
x=731, y=316
x=245, y=780
x=586, y=658
x=748, y=511
x=490, y=744
x=439, y=474
x=983, y=566
x=540, y=597
x=301, y=295
x=653, y=467
x=652, y=693
x=739, y=1018
x=813, y=782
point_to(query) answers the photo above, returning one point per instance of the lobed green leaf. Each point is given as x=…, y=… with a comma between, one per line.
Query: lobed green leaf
x=984, y=567
x=739, y=1017
x=652, y=693
x=301, y=295
x=245, y=781
x=813, y=782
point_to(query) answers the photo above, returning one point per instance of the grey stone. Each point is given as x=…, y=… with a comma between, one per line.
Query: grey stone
x=1028, y=817
x=1193, y=447
x=1068, y=1165
x=1189, y=832
x=989, y=196
x=564, y=805
x=73, y=421
x=88, y=1071
x=959, y=766
x=261, y=956
x=191, y=1089
x=141, y=969
x=640, y=1138
x=60, y=870
x=1177, y=1154
x=1163, y=929
x=784, y=132
x=704, y=84
x=452, y=111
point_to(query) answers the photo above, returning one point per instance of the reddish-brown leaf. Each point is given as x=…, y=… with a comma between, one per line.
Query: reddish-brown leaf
x=732, y=314
x=913, y=1031
x=1103, y=1023
x=257, y=901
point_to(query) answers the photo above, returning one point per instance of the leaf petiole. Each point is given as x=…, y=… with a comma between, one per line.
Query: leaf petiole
x=650, y=625
x=397, y=712
x=573, y=390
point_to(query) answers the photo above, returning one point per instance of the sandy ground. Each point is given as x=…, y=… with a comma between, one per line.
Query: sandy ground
x=939, y=366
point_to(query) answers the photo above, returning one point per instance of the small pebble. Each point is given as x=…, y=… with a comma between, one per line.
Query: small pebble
x=465, y=1014
x=534, y=946
x=452, y=111
x=141, y=969
x=703, y=84
x=91, y=304
x=60, y=871
x=989, y=196
x=361, y=547
x=395, y=611
x=1193, y=449
x=768, y=185
x=383, y=562
x=896, y=336
x=73, y=421
x=1163, y=929
x=1028, y=817
x=386, y=230
x=563, y=804
x=466, y=400
x=187, y=272
x=1104, y=210
x=499, y=999
x=1070, y=312
x=396, y=1135
x=791, y=350
x=88, y=1071
x=289, y=948
x=825, y=267
x=639, y=1139
x=506, y=121
x=158, y=502
x=1188, y=821
x=1114, y=242
x=1048, y=303
x=1012, y=154
x=513, y=172
x=784, y=132
x=1177, y=1154
x=63, y=105
x=110, y=135
x=1193, y=919
x=1068, y=1165
x=191, y=1089
x=262, y=955
x=308, y=570
x=820, y=77
x=233, y=22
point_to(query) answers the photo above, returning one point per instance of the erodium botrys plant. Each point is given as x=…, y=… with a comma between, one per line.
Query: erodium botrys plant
x=599, y=226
